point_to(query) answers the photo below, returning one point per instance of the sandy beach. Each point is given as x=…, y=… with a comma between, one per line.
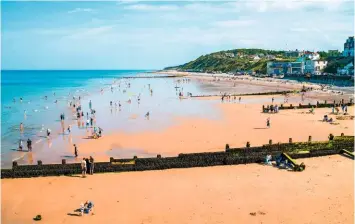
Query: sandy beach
x=243, y=193
x=253, y=193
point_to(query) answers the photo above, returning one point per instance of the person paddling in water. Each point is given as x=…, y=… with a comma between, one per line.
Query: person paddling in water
x=147, y=115
x=48, y=132
x=21, y=128
x=29, y=145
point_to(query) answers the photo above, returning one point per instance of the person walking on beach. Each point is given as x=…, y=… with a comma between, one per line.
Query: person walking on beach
x=83, y=167
x=75, y=151
x=240, y=98
x=91, y=165
x=69, y=129
x=147, y=115
x=90, y=104
x=29, y=145
x=268, y=122
x=272, y=100
x=88, y=167
x=91, y=121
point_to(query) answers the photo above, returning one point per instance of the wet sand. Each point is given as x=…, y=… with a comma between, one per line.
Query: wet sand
x=238, y=124
x=253, y=193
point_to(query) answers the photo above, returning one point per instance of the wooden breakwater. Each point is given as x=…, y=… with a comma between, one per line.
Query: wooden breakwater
x=230, y=156
x=247, y=94
x=151, y=77
x=317, y=105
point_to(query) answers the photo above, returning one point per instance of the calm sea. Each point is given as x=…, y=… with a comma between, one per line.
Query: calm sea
x=35, y=111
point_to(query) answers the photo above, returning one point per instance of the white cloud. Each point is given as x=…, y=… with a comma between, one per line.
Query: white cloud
x=81, y=10
x=147, y=7
x=234, y=23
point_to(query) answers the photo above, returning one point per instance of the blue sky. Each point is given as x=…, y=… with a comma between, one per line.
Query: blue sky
x=153, y=35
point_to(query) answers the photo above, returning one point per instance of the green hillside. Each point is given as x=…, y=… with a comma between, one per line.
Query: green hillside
x=242, y=60
x=233, y=60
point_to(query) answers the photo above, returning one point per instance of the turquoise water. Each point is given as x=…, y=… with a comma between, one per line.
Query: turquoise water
x=41, y=113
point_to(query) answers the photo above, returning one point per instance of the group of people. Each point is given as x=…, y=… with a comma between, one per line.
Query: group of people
x=271, y=108
x=87, y=166
x=86, y=208
x=29, y=145
x=344, y=109
x=229, y=97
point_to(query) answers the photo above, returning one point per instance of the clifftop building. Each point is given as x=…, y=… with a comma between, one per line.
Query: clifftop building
x=349, y=47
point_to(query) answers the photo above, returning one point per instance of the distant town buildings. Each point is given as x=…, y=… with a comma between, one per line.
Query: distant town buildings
x=310, y=55
x=349, y=47
x=347, y=70
x=293, y=54
x=274, y=67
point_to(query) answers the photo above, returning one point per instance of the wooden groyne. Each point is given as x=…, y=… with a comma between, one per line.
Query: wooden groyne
x=230, y=156
x=247, y=94
x=151, y=77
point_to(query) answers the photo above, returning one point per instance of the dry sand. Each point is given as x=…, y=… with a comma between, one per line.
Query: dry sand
x=323, y=193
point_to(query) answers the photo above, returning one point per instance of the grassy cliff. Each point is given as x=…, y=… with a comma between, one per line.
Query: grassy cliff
x=244, y=60
x=233, y=61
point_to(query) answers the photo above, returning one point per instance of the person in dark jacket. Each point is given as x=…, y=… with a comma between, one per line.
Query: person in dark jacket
x=88, y=165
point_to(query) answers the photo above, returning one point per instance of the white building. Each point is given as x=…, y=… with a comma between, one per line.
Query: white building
x=314, y=66
x=256, y=58
x=270, y=57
